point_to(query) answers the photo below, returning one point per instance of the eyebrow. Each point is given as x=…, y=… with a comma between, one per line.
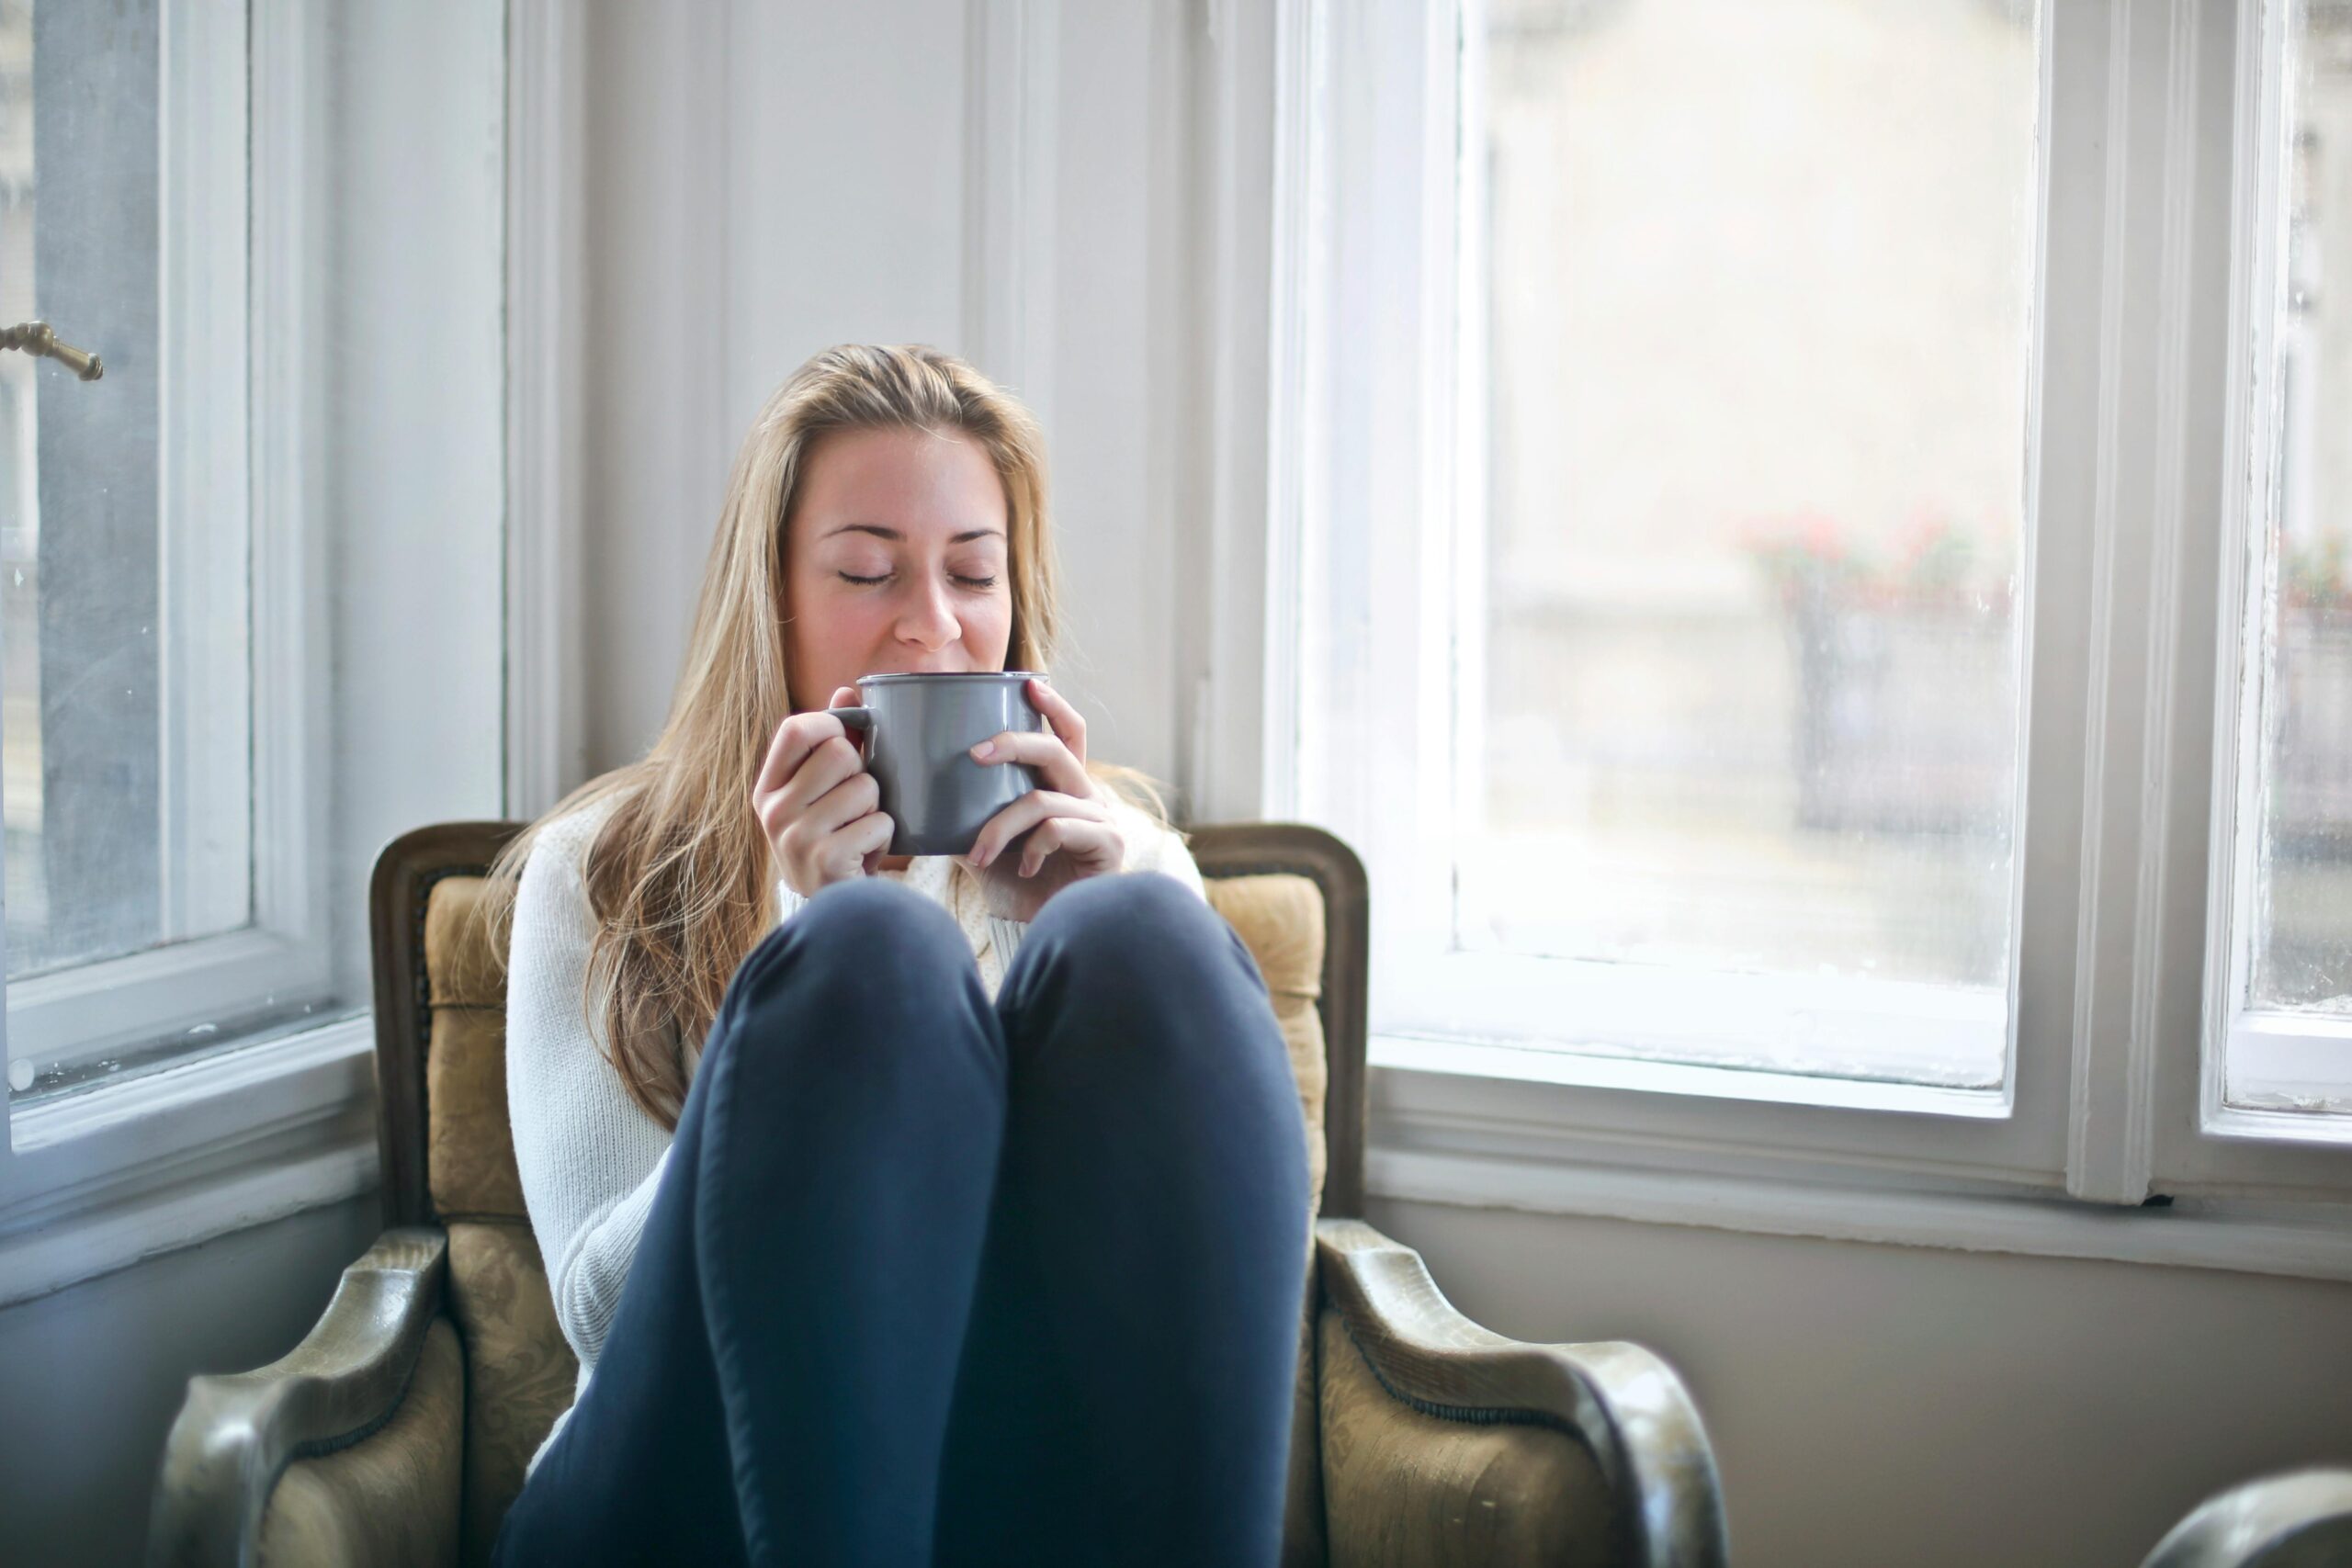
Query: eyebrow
x=880, y=532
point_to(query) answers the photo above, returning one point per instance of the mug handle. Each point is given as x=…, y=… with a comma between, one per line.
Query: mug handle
x=860, y=718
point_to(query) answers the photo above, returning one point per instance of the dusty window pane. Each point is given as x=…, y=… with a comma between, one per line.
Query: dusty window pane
x=2302, y=932
x=83, y=679
x=1759, y=282
x=86, y=682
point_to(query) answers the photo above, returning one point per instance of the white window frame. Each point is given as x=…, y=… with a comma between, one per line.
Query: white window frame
x=2130, y=409
x=218, y=1141
x=238, y=816
x=2280, y=1149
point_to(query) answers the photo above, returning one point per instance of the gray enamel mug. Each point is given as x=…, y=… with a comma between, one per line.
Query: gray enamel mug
x=919, y=731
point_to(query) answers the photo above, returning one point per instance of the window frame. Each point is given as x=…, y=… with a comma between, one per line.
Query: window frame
x=2278, y=1150
x=272, y=1123
x=230, y=532
x=2119, y=730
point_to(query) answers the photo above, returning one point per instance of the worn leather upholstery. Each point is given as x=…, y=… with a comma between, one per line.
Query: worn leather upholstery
x=1406, y=1489
x=391, y=1500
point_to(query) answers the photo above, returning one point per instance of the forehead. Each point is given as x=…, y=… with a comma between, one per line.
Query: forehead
x=914, y=484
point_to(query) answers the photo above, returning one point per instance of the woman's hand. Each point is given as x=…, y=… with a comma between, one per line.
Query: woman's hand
x=1056, y=834
x=817, y=803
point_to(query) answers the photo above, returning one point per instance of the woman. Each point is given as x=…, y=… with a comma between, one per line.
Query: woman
x=940, y=1209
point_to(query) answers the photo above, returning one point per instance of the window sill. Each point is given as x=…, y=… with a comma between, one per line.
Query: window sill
x=1478, y=1139
x=1537, y=1065
x=122, y=1172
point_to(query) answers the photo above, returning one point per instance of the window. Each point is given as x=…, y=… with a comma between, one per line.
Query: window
x=213, y=709
x=1756, y=485
x=127, y=724
x=2289, y=1034
x=1743, y=523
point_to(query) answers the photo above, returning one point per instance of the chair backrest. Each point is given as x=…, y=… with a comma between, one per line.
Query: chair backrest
x=1296, y=894
x=1328, y=968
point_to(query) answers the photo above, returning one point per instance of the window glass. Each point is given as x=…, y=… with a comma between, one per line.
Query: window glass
x=2303, y=947
x=1757, y=283
x=86, y=676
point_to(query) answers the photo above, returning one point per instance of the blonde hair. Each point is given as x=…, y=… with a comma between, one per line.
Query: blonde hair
x=680, y=877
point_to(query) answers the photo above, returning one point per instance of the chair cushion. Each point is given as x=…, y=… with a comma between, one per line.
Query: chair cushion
x=1406, y=1489
x=470, y=1144
x=390, y=1498
x=519, y=1372
x=1280, y=917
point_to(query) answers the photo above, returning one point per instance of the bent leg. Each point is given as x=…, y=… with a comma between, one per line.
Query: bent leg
x=782, y=1360
x=1127, y=1383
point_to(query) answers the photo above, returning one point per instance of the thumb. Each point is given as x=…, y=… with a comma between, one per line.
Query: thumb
x=842, y=697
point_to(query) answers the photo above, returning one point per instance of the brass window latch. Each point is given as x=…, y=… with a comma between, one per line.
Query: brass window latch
x=34, y=337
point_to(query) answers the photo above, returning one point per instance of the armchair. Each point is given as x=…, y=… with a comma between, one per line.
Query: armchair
x=397, y=1430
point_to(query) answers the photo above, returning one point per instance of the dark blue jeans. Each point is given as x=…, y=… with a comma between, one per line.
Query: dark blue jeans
x=929, y=1280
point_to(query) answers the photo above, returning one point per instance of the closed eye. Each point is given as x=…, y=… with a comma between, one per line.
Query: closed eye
x=869, y=582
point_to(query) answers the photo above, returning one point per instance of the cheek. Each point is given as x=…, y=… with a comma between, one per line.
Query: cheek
x=990, y=623
x=828, y=628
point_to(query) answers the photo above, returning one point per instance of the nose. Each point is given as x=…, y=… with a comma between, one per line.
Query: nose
x=929, y=619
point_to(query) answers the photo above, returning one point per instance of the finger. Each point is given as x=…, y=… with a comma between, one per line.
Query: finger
x=864, y=840
x=826, y=765
x=1057, y=767
x=1020, y=817
x=1025, y=813
x=842, y=697
x=797, y=735
x=1065, y=718
x=843, y=804
x=1091, y=843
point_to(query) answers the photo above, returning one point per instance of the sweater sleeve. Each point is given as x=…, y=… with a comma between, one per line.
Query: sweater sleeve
x=590, y=1159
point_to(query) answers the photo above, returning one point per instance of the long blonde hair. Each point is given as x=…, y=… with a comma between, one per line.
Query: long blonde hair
x=680, y=877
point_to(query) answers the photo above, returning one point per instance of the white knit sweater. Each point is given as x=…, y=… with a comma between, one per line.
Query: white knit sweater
x=590, y=1159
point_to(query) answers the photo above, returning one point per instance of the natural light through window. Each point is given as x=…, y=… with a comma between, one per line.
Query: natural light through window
x=1744, y=690
x=2292, y=1040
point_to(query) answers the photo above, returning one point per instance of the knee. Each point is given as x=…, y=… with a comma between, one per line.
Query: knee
x=1143, y=929
x=868, y=936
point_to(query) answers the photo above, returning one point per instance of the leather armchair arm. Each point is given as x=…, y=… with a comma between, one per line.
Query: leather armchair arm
x=2296, y=1520
x=1623, y=1403
x=236, y=1433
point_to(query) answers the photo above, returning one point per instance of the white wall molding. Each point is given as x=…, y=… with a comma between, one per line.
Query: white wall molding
x=2313, y=1242
x=1011, y=195
x=106, y=1177
x=546, y=328
x=1296, y=265
x=1224, y=643
x=2146, y=405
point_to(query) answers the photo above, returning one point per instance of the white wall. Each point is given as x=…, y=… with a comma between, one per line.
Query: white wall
x=1886, y=1405
x=91, y=1377
x=811, y=171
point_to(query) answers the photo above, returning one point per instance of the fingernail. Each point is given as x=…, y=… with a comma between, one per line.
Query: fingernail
x=980, y=857
x=984, y=750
